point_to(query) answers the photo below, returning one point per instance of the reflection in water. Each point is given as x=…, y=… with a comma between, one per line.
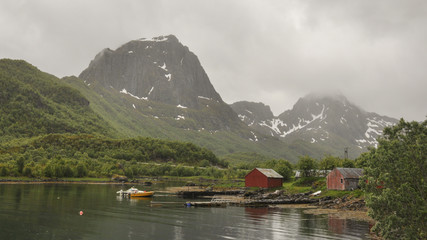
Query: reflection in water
x=336, y=225
x=51, y=212
x=18, y=198
x=256, y=214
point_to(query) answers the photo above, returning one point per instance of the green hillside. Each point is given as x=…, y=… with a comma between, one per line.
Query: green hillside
x=34, y=103
x=64, y=155
x=133, y=117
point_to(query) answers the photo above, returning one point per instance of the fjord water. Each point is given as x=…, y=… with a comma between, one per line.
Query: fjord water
x=51, y=211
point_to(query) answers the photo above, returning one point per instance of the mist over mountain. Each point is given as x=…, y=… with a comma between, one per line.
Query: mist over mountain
x=318, y=118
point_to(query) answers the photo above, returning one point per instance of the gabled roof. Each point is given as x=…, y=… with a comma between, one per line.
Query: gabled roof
x=269, y=173
x=351, y=172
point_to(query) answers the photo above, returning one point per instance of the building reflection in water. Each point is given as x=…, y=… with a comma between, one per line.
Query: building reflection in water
x=336, y=225
x=257, y=214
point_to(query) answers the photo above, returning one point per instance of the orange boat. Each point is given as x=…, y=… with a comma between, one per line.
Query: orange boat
x=134, y=192
x=142, y=194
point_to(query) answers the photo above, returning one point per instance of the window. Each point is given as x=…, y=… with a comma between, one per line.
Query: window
x=341, y=180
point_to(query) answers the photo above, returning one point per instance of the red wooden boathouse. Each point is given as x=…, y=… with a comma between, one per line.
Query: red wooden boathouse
x=263, y=177
x=344, y=178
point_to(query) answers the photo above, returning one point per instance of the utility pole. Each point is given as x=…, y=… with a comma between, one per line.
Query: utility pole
x=346, y=153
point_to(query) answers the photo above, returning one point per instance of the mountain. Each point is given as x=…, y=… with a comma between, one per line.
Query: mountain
x=158, y=88
x=34, y=103
x=326, y=120
x=161, y=70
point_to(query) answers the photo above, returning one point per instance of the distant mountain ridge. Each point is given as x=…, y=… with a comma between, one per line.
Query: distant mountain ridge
x=317, y=118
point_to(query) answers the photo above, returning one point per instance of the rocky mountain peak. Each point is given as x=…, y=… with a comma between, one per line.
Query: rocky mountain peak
x=251, y=112
x=160, y=78
x=157, y=69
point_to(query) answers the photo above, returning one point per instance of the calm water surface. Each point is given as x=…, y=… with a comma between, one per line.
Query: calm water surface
x=51, y=211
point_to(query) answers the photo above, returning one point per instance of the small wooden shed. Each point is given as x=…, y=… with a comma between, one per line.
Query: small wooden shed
x=344, y=178
x=263, y=177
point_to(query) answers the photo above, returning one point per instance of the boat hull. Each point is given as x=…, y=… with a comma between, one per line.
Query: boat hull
x=142, y=194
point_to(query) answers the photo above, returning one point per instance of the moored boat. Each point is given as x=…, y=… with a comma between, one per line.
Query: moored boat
x=134, y=192
x=142, y=194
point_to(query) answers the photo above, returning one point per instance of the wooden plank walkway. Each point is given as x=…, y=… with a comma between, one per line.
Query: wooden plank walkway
x=206, y=204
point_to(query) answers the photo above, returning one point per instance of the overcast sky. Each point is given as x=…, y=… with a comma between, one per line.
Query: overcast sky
x=270, y=51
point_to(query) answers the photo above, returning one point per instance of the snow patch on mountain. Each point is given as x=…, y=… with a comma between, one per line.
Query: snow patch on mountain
x=206, y=98
x=255, y=137
x=374, y=130
x=273, y=124
x=124, y=91
x=163, y=67
x=154, y=39
x=242, y=117
x=303, y=123
x=370, y=130
x=180, y=117
x=381, y=122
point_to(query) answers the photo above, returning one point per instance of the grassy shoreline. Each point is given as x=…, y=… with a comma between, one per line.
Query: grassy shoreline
x=203, y=181
x=28, y=180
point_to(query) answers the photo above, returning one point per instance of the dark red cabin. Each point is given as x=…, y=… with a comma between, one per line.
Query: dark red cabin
x=264, y=178
x=344, y=178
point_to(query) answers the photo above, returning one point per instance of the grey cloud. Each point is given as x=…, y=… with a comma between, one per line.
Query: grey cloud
x=270, y=51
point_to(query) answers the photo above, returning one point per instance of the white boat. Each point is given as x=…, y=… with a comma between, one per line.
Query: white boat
x=134, y=192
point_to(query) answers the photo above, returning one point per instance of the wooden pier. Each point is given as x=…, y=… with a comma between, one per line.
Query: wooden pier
x=206, y=204
x=199, y=194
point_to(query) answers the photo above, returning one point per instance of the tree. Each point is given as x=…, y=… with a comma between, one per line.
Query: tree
x=81, y=170
x=20, y=164
x=329, y=162
x=361, y=161
x=307, y=166
x=347, y=163
x=394, y=182
x=284, y=168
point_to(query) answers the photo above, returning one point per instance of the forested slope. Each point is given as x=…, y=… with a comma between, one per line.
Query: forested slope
x=33, y=103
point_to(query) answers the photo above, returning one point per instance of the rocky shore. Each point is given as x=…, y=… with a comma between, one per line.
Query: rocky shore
x=279, y=197
x=344, y=203
x=342, y=207
x=262, y=198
